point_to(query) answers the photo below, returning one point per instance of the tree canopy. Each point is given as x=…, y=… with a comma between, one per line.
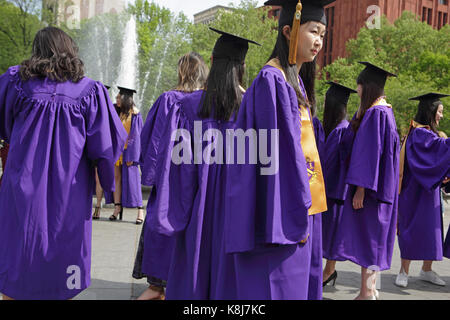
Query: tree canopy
x=419, y=54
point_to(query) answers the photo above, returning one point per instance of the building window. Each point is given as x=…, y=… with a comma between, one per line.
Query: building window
x=445, y=19
x=430, y=16
x=424, y=14
x=444, y=2
x=439, y=20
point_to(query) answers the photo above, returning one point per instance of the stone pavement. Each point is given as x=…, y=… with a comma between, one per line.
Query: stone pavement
x=115, y=245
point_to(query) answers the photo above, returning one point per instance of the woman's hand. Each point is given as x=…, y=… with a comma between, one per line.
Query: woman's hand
x=358, y=198
x=129, y=163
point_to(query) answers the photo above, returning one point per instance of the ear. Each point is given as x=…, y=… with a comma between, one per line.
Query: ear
x=287, y=32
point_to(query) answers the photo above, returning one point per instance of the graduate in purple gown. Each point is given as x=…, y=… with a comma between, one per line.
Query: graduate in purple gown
x=128, y=191
x=154, y=251
x=274, y=207
x=366, y=233
x=189, y=202
x=59, y=124
x=335, y=123
x=424, y=166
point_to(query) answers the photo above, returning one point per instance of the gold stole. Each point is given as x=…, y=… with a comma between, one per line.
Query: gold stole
x=313, y=166
x=127, y=125
x=403, y=152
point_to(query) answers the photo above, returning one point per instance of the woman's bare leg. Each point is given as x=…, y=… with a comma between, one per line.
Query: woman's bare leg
x=118, y=189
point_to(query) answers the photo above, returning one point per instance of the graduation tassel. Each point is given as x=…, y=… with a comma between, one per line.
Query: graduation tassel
x=294, y=34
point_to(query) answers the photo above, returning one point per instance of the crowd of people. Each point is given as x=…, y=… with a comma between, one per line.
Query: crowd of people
x=255, y=226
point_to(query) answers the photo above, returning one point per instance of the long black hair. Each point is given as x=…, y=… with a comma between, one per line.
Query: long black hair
x=222, y=89
x=426, y=114
x=334, y=112
x=54, y=55
x=371, y=91
x=307, y=72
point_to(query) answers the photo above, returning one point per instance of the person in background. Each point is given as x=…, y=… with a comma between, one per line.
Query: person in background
x=189, y=202
x=424, y=167
x=366, y=234
x=128, y=191
x=335, y=123
x=154, y=251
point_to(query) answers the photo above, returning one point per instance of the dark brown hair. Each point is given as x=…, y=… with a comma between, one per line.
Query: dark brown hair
x=371, y=91
x=126, y=104
x=426, y=114
x=55, y=56
x=192, y=72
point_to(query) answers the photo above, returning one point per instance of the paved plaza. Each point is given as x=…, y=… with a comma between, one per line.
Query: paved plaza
x=115, y=245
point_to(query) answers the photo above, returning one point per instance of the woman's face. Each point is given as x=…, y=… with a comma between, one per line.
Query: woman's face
x=439, y=113
x=310, y=42
x=118, y=100
x=359, y=89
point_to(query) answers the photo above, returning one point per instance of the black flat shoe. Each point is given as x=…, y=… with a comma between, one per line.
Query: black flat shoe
x=333, y=278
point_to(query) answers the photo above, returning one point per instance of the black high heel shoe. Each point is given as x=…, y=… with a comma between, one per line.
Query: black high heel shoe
x=113, y=217
x=96, y=215
x=138, y=220
x=333, y=278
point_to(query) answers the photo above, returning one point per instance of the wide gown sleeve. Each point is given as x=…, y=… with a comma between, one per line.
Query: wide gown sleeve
x=105, y=134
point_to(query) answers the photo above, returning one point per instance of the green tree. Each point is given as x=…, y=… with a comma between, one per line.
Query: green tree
x=247, y=21
x=19, y=22
x=417, y=53
x=162, y=41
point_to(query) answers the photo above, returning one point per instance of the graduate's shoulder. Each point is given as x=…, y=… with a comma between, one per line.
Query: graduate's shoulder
x=271, y=76
x=423, y=134
x=380, y=110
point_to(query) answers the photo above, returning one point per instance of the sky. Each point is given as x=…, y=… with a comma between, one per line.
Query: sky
x=190, y=7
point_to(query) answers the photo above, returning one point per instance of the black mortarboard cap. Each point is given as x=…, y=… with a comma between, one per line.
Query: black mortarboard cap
x=313, y=10
x=128, y=91
x=430, y=97
x=107, y=87
x=230, y=46
x=340, y=92
x=375, y=74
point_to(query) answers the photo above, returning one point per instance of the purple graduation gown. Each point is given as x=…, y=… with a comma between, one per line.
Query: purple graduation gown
x=56, y=132
x=420, y=228
x=157, y=248
x=366, y=236
x=131, y=176
x=189, y=204
x=334, y=174
x=316, y=272
x=267, y=215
